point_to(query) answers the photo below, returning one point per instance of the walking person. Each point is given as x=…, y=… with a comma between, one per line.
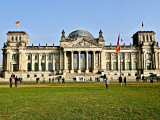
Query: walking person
x=16, y=80
x=52, y=80
x=11, y=81
x=120, y=81
x=58, y=80
x=107, y=84
x=125, y=81
x=43, y=80
x=49, y=80
x=63, y=80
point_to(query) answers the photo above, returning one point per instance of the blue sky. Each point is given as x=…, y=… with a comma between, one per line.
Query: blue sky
x=44, y=20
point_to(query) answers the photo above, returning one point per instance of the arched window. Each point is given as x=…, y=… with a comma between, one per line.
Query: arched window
x=14, y=57
x=49, y=66
x=19, y=38
x=148, y=56
x=151, y=38
x=57, y=66
x=12, y=38
x=16, y=38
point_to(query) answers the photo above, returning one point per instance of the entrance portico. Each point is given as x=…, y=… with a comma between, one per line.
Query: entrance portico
x=82, y=61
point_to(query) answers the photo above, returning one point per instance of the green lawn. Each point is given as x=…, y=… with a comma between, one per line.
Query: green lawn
x=80, y=101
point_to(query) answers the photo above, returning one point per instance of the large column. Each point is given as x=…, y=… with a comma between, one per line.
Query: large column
x=153, y=61
x=94, y=66
x=46, y=62
x=39, y=62
x=87, y=70
x=156, y=60
x=118, y=60
x=124, y=63
x=72, y=70
x=144, y=60
x=111, y=61
x=53, y=62
x=79, y=61
x=20, y=61
x=99, y=61
x=131, y=66
x=8, y=61
x=32, y=63
x=64, y=60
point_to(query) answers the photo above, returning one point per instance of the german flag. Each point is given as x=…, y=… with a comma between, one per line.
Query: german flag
x=18, y=23
x=142, y=25
x=118, y=44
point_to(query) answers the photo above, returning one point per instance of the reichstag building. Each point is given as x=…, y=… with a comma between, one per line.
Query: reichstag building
x=79, y=53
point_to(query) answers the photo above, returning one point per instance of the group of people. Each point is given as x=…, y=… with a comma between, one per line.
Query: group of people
x=14, y=79
x=58, y=79
x=120, y=81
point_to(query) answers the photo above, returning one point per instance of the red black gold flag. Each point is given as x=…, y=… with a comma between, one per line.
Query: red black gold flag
x=118, y=44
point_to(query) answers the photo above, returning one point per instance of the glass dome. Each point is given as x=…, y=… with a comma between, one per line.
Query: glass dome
x=80, y=34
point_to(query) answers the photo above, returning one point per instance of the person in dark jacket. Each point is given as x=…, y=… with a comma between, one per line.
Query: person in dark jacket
x=16, y=80
x=120, y=81
x=63, y=80
x=11, y=81
x=125, y=81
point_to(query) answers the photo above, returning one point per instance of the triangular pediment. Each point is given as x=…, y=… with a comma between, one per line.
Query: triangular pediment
x=83, y=43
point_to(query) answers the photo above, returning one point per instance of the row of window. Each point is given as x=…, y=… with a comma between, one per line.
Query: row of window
x=43, y=57
x=16, y=38
x=115, y=66
x=50, y=66
x=114, y=56
x=146, y=38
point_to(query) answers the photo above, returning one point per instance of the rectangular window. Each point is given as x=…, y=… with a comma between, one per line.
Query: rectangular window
x=148, y=66
x=36, y=66
x=12, y=38
x=42, y=57
x=107, y=66
x=121, y=55
x=134, y=66
x=114, y=66
x=29, y=57
x=108, y=57
x=114, y=56
x=49, y=57
x=57, y=66
x=36, y=57
x=57, y=57
x=16, y=38
x=128, y=66
x=20, y=38
x=50, y=66
x=121, y=65
x=29, y=67
x=128, y=56
x=43, y=66
x=134, y=56
x=15, y=67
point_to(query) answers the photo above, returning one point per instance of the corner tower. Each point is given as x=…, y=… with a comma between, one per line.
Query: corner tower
x=17, y=38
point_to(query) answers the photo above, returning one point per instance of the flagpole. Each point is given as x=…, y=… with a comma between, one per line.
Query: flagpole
x=120, y=58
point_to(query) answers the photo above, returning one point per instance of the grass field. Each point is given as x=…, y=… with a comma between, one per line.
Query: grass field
x=80, y=101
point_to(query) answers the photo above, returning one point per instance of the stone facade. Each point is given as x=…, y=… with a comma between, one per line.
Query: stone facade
x=80, y=52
